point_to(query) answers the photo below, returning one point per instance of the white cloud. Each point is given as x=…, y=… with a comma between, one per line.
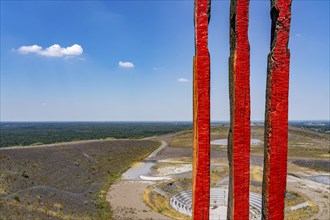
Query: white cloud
x=52, y=51
x=183, y=80
x=29, y=49
x=126, y=64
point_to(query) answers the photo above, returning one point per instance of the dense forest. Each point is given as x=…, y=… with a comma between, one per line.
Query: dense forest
x=36, y=133
x=28, y=133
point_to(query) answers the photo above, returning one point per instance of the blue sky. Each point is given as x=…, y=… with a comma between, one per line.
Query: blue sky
x=132, y=60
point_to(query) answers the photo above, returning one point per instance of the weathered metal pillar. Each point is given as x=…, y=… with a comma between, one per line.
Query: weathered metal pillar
x=239, y=94
x=276, y=121
x=201, y=163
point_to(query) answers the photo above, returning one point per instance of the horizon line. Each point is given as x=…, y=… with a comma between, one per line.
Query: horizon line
x=141, y=121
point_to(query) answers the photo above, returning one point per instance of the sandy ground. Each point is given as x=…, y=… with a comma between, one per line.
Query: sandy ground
x=125, y=198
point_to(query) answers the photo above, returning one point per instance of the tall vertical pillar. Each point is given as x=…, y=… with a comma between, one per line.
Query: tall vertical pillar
x=201, y=100
x=239, y=95
x=276, y=121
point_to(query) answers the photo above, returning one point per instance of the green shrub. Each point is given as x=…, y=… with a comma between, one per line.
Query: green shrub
x=16, y=197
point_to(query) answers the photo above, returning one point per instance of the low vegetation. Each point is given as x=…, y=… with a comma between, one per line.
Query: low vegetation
x=69, y=181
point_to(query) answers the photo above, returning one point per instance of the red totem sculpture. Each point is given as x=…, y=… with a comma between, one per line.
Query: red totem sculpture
x=201, y=164
x=239, y=94
x=276, y=121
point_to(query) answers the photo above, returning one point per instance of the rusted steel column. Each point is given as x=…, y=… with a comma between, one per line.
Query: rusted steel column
x=276, y=121
x=201, y=144
x=239, y=94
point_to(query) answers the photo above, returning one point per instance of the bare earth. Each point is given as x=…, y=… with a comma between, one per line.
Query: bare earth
x=125, y=198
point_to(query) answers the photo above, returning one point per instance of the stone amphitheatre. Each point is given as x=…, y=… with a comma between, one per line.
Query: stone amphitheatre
x=218, y=204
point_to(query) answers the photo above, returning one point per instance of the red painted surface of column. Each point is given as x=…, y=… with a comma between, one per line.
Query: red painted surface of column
x=201, y=163
x=276, y=121
x=239, y=135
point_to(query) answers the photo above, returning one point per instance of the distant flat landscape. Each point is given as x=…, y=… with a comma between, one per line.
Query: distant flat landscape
x=38, y=133
x=74, y=170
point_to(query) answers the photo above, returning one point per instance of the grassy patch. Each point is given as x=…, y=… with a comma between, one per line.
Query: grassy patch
x=182, y=140
x=256, y=173
x=294, y=198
